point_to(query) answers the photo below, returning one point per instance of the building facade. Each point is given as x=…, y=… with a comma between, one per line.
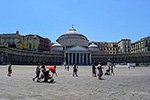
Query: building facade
x=124, y=46
x=75, y=47
x=33, y=42
x=107, y=47
x=26, y=57
x=143, y=45
x=17, y=56
x=29, y=42
x=72, y=47
x=10, y=39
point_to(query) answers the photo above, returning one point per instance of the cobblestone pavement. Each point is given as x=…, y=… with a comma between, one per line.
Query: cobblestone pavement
x=126, y=84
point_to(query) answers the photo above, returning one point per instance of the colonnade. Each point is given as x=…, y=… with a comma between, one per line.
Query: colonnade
x=78, y=58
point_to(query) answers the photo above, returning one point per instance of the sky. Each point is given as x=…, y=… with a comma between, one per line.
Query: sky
x=98, y=20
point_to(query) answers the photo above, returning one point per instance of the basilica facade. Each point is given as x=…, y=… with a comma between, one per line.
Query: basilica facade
x=74, y=46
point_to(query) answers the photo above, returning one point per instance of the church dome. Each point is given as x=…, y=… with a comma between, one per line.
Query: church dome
x=57, y=47
x=93, y=47
x=73, y=38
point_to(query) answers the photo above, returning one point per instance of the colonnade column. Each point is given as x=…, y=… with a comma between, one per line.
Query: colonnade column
x=79, y=58
x=68, y=58
x=90, y=59
x=86, y=58
x=1, y=58
x=75, y=58
x=82, y=58
x=71, y=58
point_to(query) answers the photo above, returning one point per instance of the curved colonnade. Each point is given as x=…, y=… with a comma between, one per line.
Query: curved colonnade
x=138, y=58
x=15, y=56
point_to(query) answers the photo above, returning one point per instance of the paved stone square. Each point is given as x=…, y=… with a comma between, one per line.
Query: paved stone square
x=126, y=84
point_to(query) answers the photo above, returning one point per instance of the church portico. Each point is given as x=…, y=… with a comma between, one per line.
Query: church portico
x=75, y=47
x=78, y=58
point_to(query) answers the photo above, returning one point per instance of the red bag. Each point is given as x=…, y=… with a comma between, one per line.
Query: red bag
x=51, y=68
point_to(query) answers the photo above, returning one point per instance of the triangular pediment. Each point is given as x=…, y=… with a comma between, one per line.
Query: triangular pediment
x=77, y=48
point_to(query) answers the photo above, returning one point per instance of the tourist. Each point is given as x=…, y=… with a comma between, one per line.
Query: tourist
x=100, y=71
x=112, y=69
x=54, y=71
x=108, y=71
x=68, y=68
x=9, y=70
x=37, y=71
x=75, y=70
x=64, y=64
x=45, y=75
x=93, y=70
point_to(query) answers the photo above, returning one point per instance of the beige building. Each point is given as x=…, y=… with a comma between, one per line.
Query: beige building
x=124, y=46
x=107, y=47
x=23, y=43
x=33, y=42
x=143, y=45
x=10, y=39
x=28, y=42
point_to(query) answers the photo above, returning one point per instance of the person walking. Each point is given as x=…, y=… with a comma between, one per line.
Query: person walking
x=100, y=71
x=75, y=70
x=108, y=71
x=93, y=70
x=112, y=69
x=68, y=68
x=9, y=70
x=37, y=71
x=64, y=64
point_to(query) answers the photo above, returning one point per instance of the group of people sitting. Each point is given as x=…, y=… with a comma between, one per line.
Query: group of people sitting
x=43, y=74
x=110, y=70
x=94, y=71
x=99, y=71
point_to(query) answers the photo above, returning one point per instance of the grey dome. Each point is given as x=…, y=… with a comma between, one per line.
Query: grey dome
x=93, y=45
x=73, y=38
x=56, y=45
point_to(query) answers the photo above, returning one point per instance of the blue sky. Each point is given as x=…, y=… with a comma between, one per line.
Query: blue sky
x=98, y=20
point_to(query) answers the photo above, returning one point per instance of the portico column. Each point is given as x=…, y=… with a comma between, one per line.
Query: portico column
x=83, y=58
x=72, y=58
x=68, y=58
x=75, y=58
x=79, y=58
x=86, y=58
x=90, y=59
